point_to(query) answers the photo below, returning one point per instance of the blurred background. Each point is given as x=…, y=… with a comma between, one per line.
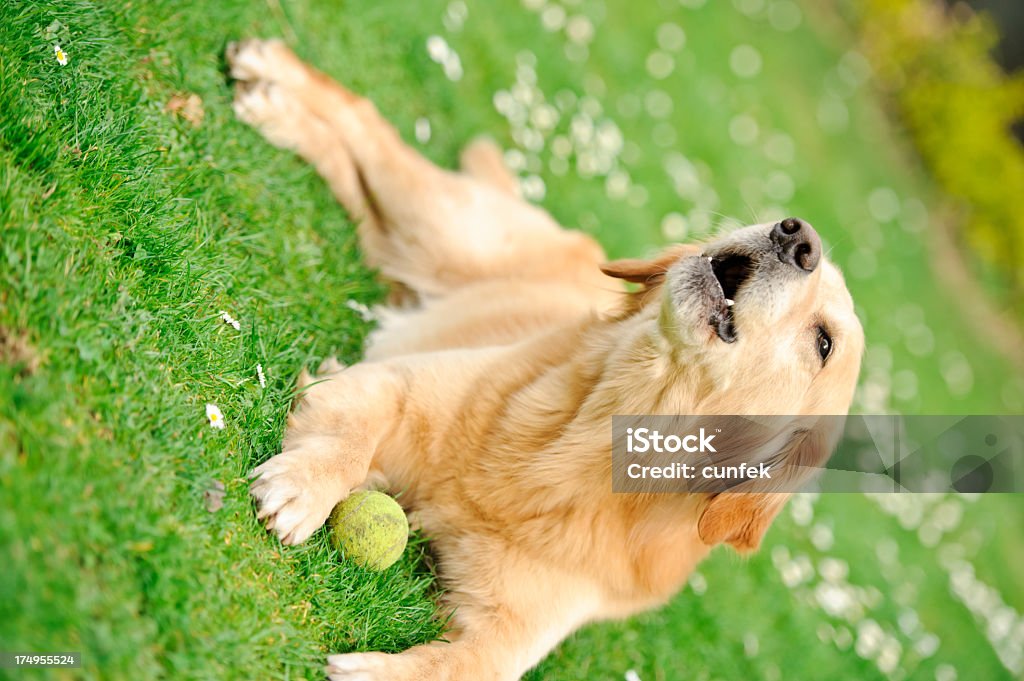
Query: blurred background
x=135, y=209
x=887, y=121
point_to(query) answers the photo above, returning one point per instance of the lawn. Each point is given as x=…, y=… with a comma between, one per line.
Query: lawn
x=130, y=222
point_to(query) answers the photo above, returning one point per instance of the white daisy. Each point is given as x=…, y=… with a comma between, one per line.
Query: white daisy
x=215, y=416
x=62, y=57
x=363, y=311
x=230, y=321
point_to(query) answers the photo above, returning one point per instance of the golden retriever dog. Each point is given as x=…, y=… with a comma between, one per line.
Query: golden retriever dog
x=486, y=398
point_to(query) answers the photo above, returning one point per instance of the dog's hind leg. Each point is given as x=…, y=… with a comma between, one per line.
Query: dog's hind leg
x=287, y=124
x=430, y=229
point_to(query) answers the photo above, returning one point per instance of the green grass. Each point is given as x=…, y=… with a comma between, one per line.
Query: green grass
x=126, y=231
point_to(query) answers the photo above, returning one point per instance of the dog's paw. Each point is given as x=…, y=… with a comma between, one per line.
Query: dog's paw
x=262, y=60
x=292, y=497
x=359, y=667
x=277, y=114
x=258, y=103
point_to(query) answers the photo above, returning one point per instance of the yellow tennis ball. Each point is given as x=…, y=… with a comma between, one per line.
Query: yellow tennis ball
x=369, y=528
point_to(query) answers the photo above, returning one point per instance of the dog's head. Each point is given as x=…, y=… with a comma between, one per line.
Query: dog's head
x=763, y=314
x=766, y=325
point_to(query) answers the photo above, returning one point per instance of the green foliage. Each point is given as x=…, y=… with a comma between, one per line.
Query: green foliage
x=959, y=106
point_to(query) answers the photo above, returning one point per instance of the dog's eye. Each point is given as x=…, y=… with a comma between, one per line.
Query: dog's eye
x=824, y=344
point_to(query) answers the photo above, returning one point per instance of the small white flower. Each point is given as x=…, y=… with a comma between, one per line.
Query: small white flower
x=422, y=130
x=215, y=417
x=363, y=311
x=263, y=379
x=230, y=321
x=62, y=57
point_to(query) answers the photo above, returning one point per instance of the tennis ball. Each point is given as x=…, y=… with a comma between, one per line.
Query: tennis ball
x=369, y=528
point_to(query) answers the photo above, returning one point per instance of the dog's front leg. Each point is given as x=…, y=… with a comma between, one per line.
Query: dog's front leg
x=330, y=442
x=502, y=649
x=507, y=614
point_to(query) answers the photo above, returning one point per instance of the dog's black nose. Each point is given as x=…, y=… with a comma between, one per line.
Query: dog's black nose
x=797, y=244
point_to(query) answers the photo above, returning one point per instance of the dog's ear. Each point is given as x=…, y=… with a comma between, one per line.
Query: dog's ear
x=739, y=519
x=742, y=515
x=649, y=272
